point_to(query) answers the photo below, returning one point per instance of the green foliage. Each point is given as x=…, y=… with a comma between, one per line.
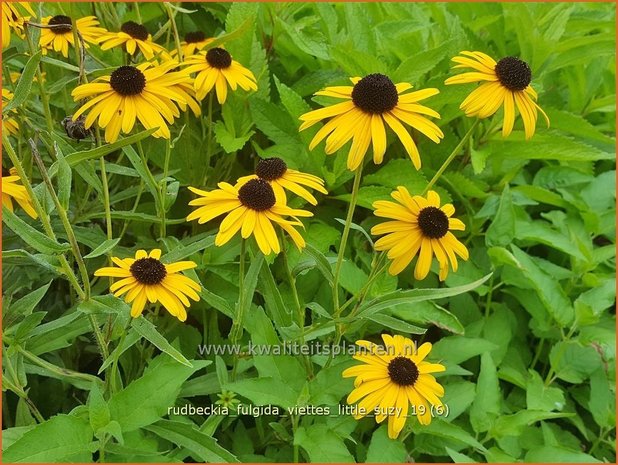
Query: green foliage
x=525, y=327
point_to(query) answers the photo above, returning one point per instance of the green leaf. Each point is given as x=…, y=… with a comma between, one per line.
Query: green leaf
x=312, y=44
x=322, y=445
x=382, y=449
x=321, y=263
x=281, y=315
x=203, y=448
x=230, y=142
x=513, y=425
x=265, y=391
x=103, y=304
x=62, y=438
x=415, y=295
x=457, y=349
x=148, y=398
x=486, y=405
x=105, y=247
x=98, y=411
x=541, y=397
x=27, y=303
x=547, y=288
x=183, y=251
x=442, y=429
x=502, y=229
x=22, y=90
x=31, y=236
x=65, y=176
x=142, y=170
x=573, y=362
x=413, y=67
x=552, y=454
x=429, y=313
x=148, y=331
x=396, y=324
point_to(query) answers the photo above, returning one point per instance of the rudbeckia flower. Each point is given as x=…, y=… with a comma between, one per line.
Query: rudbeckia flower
x=13, y=190
x=393, y=378
x=371, y=103
x=418, y=224
x=193, y=43
x=506, y=82
x=216, y=68
x=60, y=37
x=251, y=209
x=8, y=123
x=146, y=278
x=133, y=36
x=147, y=92
x=14, y=15
x=276, y=172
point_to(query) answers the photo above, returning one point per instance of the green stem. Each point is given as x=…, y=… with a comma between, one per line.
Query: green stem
x=172, y=17
x=108, y=209
x=68, y=271
x=163, y=189
x=452, y=156
x=237, y=325
x=209, y=138
x=344, y=237
x=43, y=94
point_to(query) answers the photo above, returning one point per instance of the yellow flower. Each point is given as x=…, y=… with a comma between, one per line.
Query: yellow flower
x=506, y=82
x=146, y=278
x=9, y=124
x=60, y=37
x=147, y=92
x=133, y=36
x=14, y=15
x=418, y=224
x=193, y=43
x=392, y=379
x=216, y=68
x=276, y=172
x=251, y=209
x=12, y=189
x=373, y=101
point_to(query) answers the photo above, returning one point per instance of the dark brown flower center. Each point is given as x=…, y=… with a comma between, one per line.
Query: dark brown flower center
x=194, y=37
x=135, y=30
x=433, y=222
x=257, y=195
x=403, y=371
x=271, y=168
x=63, y=24
x=148, y=271
x=513, y=73
x=375, y=94
x=218, y=58
x=128, y=80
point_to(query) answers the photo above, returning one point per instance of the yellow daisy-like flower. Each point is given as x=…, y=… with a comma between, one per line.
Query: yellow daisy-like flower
x=146, y=278
x=251, y=209
x=193, y=43
x=14, y=15
x=216, y=68
x=13, y=190
x=392, y=379
x=418, y=224
x=147, y=92
x=9, y=124
x=133, y=36
x=506, y=82
x=373, y=101
x=276, y=172
x=60, y=37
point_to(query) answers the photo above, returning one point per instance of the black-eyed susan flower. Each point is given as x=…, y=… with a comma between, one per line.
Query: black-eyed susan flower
x=419, y=225
x=216, y=68
x=276, y=172
x=61, y=36
x=14, y=15
x=146, y=279
x=133, y=36
x=371, y=103
x=13, y=190
x=506, y=82
x=146, y=93
x=251, y=209
x=9, y=123
x=392, y=379
x=193, y=43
